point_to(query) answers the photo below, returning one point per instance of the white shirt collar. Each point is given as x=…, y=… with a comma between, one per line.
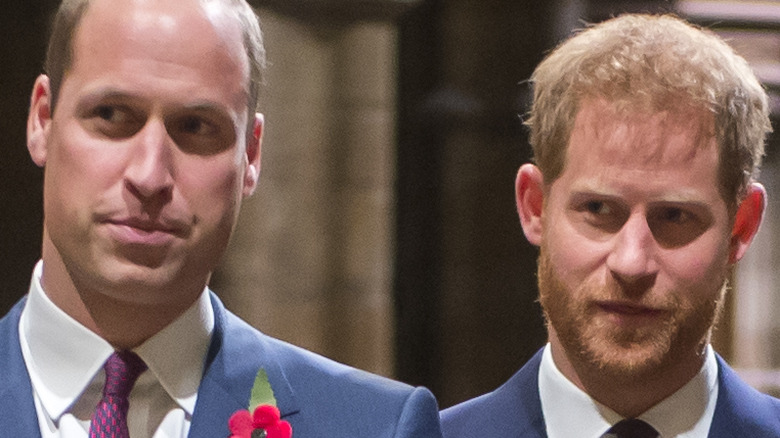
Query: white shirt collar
x=63, y=357
x=177, y=353
x=568, y=411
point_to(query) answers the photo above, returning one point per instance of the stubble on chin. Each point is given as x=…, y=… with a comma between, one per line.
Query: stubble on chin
x=593, y=342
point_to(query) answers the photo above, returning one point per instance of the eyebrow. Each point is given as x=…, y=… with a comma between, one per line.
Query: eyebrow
x=205, y=106
x=112, y=93
x=688, y=197
x=102, y=94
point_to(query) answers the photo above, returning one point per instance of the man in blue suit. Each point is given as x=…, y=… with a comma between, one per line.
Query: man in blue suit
x=145, y=126
x=647, y=133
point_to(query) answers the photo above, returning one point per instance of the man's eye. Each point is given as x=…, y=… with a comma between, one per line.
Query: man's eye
x=112, y=114
x=598, y=207
x=113, y=121
x=602, y=215
x=674, y=227
x=675, y=215
x=196, y=126
x=105, y=112
x=200, y=135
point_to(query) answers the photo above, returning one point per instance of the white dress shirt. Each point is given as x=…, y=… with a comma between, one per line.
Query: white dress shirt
x=65, y=362
x=570, y=412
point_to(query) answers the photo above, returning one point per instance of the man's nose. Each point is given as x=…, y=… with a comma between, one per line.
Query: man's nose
x=633, y=254
x=149, y=174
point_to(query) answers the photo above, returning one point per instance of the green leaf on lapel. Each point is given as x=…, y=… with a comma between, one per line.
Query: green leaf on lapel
x=262, y=394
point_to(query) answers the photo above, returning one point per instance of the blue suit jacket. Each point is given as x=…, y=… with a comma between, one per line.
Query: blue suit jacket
x=319, y=397
x=515, y=410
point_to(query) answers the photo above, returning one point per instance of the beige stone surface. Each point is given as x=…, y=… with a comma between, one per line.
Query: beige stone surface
x=311, y=259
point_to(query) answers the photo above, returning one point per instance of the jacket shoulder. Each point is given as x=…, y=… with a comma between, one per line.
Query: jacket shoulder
x=741, y=410
x=335, y=398
x=512, y=410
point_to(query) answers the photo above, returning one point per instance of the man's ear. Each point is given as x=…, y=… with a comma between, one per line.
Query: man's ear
x=253, y=149
x=39, y=120
x=529, y=195
x=747, y=220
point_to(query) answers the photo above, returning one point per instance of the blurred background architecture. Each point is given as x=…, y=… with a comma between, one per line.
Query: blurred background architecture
x=384, y=231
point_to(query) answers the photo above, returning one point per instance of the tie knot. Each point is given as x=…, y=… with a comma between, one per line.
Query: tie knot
x=122, y=370
x=631, y=428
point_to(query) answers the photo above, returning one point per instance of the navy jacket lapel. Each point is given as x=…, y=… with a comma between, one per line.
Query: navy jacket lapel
x=236, y=353
x=741, y=410
x=514, y=410
x=723, y=421
x=17, y=408
x=521, y=392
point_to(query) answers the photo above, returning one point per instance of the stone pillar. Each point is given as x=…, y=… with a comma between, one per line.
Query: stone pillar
x=748, y=333
x=311, y=259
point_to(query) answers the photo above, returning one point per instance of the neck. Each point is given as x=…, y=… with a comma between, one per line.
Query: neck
x=120, y=317
x=627, y=395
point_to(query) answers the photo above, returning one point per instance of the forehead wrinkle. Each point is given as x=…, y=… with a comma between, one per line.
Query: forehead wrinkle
x=640, y=137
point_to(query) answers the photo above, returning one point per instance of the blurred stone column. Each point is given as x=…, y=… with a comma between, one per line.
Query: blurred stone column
x=311, y=259
x=749, y=332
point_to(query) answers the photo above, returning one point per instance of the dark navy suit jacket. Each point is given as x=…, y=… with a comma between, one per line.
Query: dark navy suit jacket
x=320, y=398
x=514, y=410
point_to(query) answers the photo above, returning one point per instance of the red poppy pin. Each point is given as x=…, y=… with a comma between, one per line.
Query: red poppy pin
x=262, y=419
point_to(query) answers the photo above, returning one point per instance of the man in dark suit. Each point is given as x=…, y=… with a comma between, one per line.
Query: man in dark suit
x=647, y=133
x=145, y=126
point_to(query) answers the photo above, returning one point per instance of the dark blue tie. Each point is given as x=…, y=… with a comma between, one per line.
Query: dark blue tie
x=631, y=428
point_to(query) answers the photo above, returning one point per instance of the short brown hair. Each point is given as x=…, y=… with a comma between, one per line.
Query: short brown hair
x=651, y=61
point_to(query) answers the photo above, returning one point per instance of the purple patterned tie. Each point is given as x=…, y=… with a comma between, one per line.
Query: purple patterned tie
x=110, y=418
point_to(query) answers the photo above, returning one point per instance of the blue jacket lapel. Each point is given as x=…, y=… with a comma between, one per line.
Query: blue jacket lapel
x=236, y=353
x=741, y=411
x=513, y=410
x=521, y=394
x=17, y=408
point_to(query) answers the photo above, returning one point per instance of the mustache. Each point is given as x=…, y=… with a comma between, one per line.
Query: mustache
x=639, y=295
x=642, y=294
